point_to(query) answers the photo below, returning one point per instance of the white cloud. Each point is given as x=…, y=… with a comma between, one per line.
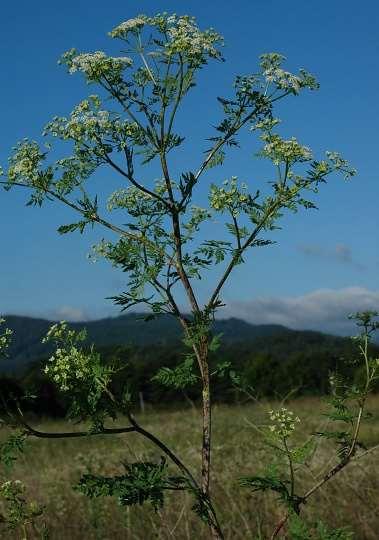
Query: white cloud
x=69, y=313
x=322, y=309
x=339, y=253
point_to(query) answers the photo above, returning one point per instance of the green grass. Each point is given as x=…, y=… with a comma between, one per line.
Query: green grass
x=49, y=468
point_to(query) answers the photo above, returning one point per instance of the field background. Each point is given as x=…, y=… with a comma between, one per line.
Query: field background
x=49, y=468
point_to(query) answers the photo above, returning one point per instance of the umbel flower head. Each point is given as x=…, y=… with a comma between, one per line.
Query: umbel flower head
x=96, y=65
x=230, y=196
x=5, y=338
x=88, y=123
x=274, y=74
x=283, y=422
x=70, y=366
x=182, y=37
x=18, y=512
x=131, y=26
x=284, y=151
x=25, y=162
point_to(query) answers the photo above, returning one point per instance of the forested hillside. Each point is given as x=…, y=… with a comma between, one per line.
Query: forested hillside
x=131, y=329
x=270, y=360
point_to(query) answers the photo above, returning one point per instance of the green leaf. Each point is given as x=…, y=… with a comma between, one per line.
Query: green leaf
x=217, y=159
x=143, y=482
x=267, y=483
x=79, y=226
x=179, y=377
x=12, y=448
x=215, y=343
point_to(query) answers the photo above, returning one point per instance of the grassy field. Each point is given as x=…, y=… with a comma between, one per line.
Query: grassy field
x=49, y=468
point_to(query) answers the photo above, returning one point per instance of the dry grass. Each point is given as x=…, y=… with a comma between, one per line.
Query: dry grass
x=50, y=468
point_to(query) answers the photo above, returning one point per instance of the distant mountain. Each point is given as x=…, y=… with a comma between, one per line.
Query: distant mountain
x=165, y=331
x=128, y=329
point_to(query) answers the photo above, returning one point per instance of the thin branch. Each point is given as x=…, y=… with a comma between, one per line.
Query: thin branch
x=271, y=211
x=164, y=106
x=238, y=236
x=290, y=463
x=29, y=430
x=95, y=218
x=115, y=94
x=233, y=130
x=279, y=527
x=363, y=454
x=126, y=108
x=178, y=96
x=147, y=67
x=179, y=464
x=238, y=254
x=342, y=464
x=163, y=447
x=134, y=182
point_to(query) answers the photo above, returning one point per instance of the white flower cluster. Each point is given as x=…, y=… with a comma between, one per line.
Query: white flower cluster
x=136, y=201
x=284, y=422
x=100, y=250
x=60, y=332
x=341, y=164
x=69, y=365
x=230, y=197
x=131, y=25
x=87, y=122
x=184, y=36
x=11, y=489
x=24, y=162
x=96, y=65
x=284, y=151
x=20, y=512
x=5, y=338
x=267, y=124
x=284, y=80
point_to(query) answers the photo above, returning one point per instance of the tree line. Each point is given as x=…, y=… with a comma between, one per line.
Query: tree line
x=270, y=367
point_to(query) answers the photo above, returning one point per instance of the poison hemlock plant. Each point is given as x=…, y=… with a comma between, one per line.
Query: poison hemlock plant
x=347, y=410
x=5, y=338
x=17, y=514
x=162, y=244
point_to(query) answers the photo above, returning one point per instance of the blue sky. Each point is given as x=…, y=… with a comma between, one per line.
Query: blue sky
x=326, y=262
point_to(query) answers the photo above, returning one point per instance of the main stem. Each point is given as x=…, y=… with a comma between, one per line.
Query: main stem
x=207, y=425
x=207, y=434
x=200, y=349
